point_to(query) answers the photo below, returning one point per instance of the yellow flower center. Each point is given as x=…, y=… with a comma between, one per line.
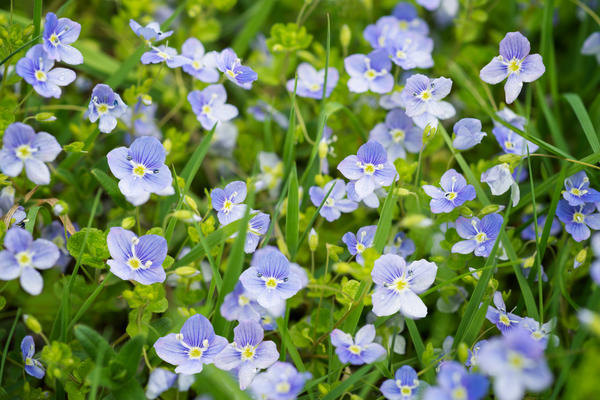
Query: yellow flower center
x=398, y=134
x=243, y=300
x=451, y=195
x=271, y=283
x=28, y=361
x=403, y=25
x=24, y=151
x=329, y=202
x=40, y=76
x=505, y=320
x=206, y=109
x=227, y=205
x=248, y=353
x=369, y=169
x=360, y=248
x=23, y=258
x=102, y=109
x=459, y=393
x=231, y=73
x=481, y=237
x=425, y=95
x=400, y=54
x=516, y=360
x=508, y=144
x=195, y=353
x=196, y=64
x=163, y=55
x=134, y=263
x=354, y=349
x=139, y=170
x=406, y=391
x=282, y=387
x=514, y=65
x=578, y=218
x=54, y=39
x=314, y=87
x=578, y=192
x=370, y=74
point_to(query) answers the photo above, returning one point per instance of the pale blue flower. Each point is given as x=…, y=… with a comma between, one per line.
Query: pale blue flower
x=32, y=365
x=369, y=72
x=150, y=32
x=361, y=349
x=310, y=81
x=58, y=35
x=422, y=98
x=479, y=234
x=454, y=192
x=358, y=243
x=404, y=386
x=468, y=133
x=505, y=321
x=107, y=106
x=210, y=107
x=37, y=70
x=454, y=382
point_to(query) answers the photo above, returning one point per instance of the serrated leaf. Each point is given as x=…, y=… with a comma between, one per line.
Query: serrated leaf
x=96, y=249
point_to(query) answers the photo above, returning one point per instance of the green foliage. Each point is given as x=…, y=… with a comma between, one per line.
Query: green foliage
x=95, y=252
x=288, y=37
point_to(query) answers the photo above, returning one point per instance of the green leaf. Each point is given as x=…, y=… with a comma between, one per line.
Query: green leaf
x=96, y=250
x=93, y=343
x=129, y=355
x=31, y=217
x=37, y=17
x=292, y=215
x=584, y=120
x=258, y=15
x=385, y=220
x=193, y=165
x=212, y=240
x=346, y=384
x=112, y=188
x=131, y=390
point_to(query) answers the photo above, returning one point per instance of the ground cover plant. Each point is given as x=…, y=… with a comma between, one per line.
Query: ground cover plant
x=319, y=199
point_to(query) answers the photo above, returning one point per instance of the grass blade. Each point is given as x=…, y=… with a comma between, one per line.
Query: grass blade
x=339, y=390
x=211, y=240
x=584, y=119
x=37, y=17
x=292, y=215
x=112, y=188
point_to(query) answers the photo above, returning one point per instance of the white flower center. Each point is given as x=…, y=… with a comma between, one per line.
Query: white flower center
x=24, y=258
x=398, y=135
x=243, y=300
x=578, y=218
x=40, y=76
x=24, y=151
x=247, y=352
x=54, y=39
x=355, y=349
x=282, y=387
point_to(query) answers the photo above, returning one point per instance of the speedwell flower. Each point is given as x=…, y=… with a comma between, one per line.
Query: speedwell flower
x=361, y=350
x=200, y=65
x=59, y=33
x=229, y=64
x=280, y=382
x=411, y=50
x=164, y=54
x=402, y=246
x=578, y=191
x=500, y=180
x=24, y=147
x=578, y=219
x=591, y=45
x=455, y=192
x=150, y=32
x=238, y=306
x=37, y=70
x=468, y=133
x=270, y=279
x=369, y=72
x=210, y=107
x=397, y=135
x=505, y=321
x=480, y=234
x=529, y=232
x=336, y=203
x=32, y=365
x=398, y=286
x=310, y=81
x=514, y=63
x=408, y=19
x=404, y=386
x=24, y=256
x=454, y=382
x=228, y=202
x=370, y=168
x=257, y=227
x=141, y=168
x=107, y=106
x=422, y=99
x=249, y=353
x=193, y=347
x=360, y=242
x=138, y=259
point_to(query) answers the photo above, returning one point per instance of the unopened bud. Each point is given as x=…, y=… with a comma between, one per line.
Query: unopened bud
x=186, y=271
x=345, y=36
x=128, y=223
x=32, y=323
x=45, y=117
x=313, y=240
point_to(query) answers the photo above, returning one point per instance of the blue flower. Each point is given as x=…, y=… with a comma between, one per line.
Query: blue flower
x=310, y=81
x=36, y=69
x=540, y=332
x=370, y=168
x=505, y=321
x=408, y=19
x=193, y=347
x=514, y=63
x=422, y=99
x=22, y=146
x=164, y=54
x=454, y=382
x=141, y=169
x=257, y=227
x=454, y=193
x=480, y=235
x=398, y=286
x=280, y=382
x=224, y=139
x=578, y=219
x=55, y=232
x=404, y=386
x=382, y=34
x=517, y=364
x=261, y=109
x=270, y=279
x=369, y=72
x=248, y=352
x=150, y=32
x=411, y=50
x=529, y=232
x=429, y=4
x=362, y=350
x=510, y=141
x=335, y=204
x=137, y=259
x=200, y=65
x=229, y=64
x=360, y=242
x=59, y=33
x=7, y=200
x=370, y=200
x=500, y=180
x=239, y=306
x=474, y=354
x=326, y=149
x=210, y=107
x=397, y=135
x=578, y=191
x=228, y=202
x=141, y=120
x=24, y=256
x=159, y=381
x=468, y=133
x=591, y=46
x=107, y=106
x=32, y=366
x=402, y=246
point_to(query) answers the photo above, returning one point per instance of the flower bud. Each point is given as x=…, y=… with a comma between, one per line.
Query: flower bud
x=313, y=240
x=463, y=352
x=60, y=208
x=128, y=223
x=32, y=323
x=45, y=117
x=186, y=271
x=345, y=36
